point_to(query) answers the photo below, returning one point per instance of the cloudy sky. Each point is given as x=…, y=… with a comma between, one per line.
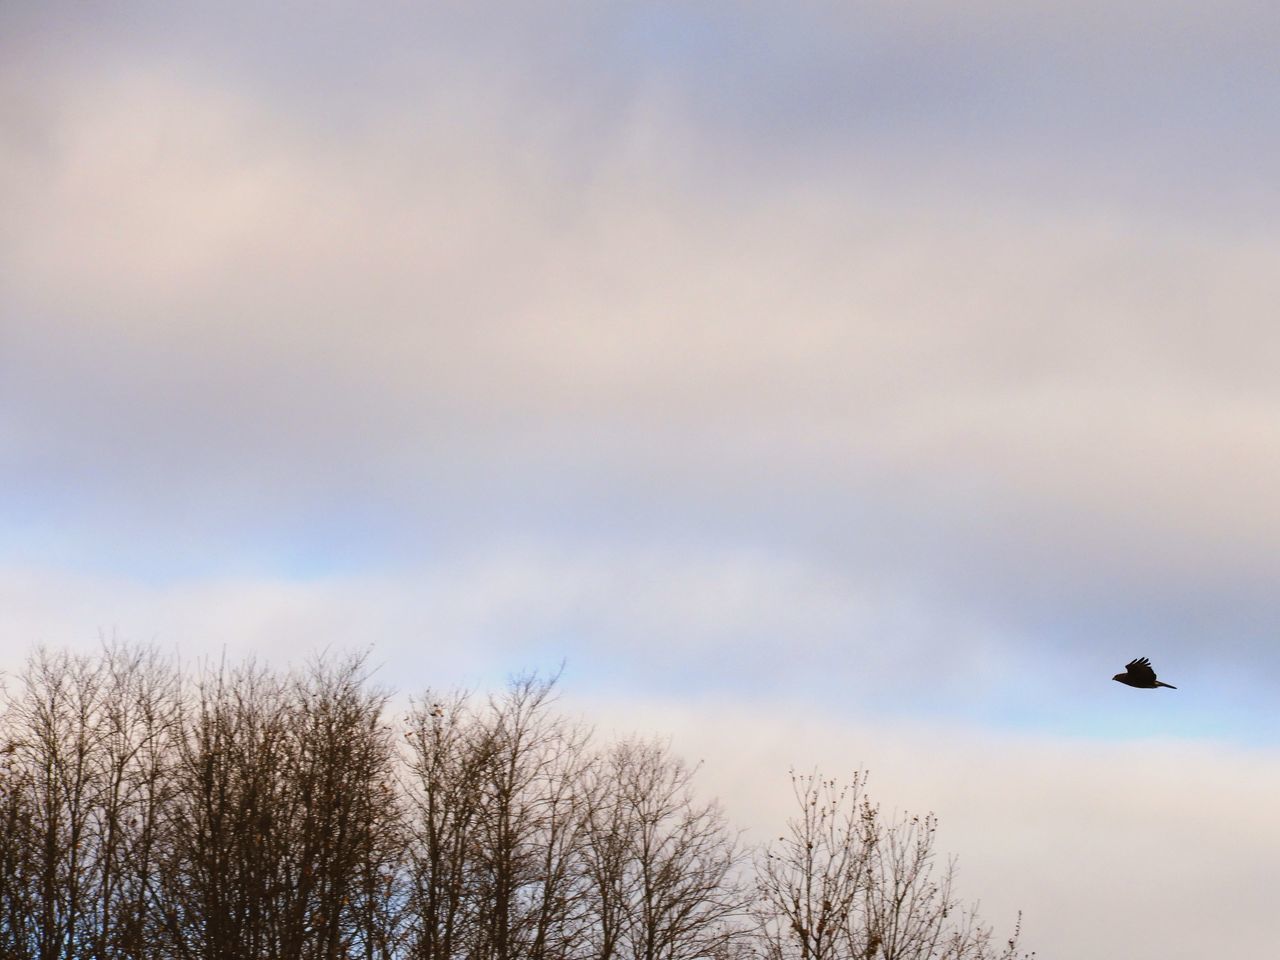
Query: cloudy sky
x=843, y=384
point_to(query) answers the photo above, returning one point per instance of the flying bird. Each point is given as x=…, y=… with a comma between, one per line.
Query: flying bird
x=1138, y=673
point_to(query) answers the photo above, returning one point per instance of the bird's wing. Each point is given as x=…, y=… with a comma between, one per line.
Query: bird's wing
x=1140, y=669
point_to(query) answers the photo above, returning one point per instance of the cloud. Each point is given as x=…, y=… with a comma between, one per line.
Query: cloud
x=1140, y=848
x=628, y=617
x=232, y=324
x=1137, y=837
x=891, y=357
x=451, y=266
x=642, y=621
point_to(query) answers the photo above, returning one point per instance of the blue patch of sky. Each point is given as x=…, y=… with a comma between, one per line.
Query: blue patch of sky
x=169, y=545
x=1085, y=704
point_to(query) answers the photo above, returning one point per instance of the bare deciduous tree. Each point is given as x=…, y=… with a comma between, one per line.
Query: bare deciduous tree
x=227, y=845
x=442, y=784
x=86, y=760
x=344, y=825
x=526, y=825
x=17, y=846
x=846, y=883
x=660, y=864
x=285, y=824
x=246, y=812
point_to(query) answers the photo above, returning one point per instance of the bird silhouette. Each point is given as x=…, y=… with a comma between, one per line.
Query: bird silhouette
x=1139, y=673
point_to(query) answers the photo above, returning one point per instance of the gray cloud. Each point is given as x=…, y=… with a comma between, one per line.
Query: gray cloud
x=397, y=287
x=724, y=353
x=484, y=310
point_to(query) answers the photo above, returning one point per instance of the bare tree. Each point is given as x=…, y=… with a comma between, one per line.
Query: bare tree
x=496, y=814
x=18, y=934
x=139, y=719
x=660, y=864
x=442, y=784
x=286, y=822
x=57, y=724
x=225, y=841
x=606, y=857
x=343, y=820
x=84, y=776
x=526, y=826
x=846, y=883
x=248, y=813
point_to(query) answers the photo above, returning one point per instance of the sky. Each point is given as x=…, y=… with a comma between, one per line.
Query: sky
x=823, y=385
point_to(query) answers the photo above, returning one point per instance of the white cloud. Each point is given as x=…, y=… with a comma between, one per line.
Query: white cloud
x=274, y=303
x=1138, y=848
x=621, y=612
x=1147, y=850
x=825, y=351
x=229, y=322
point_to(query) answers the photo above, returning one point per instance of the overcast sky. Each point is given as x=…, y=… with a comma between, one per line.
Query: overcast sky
x=870, y=379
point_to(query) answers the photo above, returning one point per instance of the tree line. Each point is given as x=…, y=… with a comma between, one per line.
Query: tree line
x=245, y=813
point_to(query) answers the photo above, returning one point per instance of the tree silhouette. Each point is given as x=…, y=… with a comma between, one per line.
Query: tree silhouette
x=244, y=812
x=845, y=882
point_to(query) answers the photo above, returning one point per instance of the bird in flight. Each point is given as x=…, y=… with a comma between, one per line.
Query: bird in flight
x=1138, y=673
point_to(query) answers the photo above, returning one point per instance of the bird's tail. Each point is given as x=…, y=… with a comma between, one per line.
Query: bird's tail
x=1161, y=683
